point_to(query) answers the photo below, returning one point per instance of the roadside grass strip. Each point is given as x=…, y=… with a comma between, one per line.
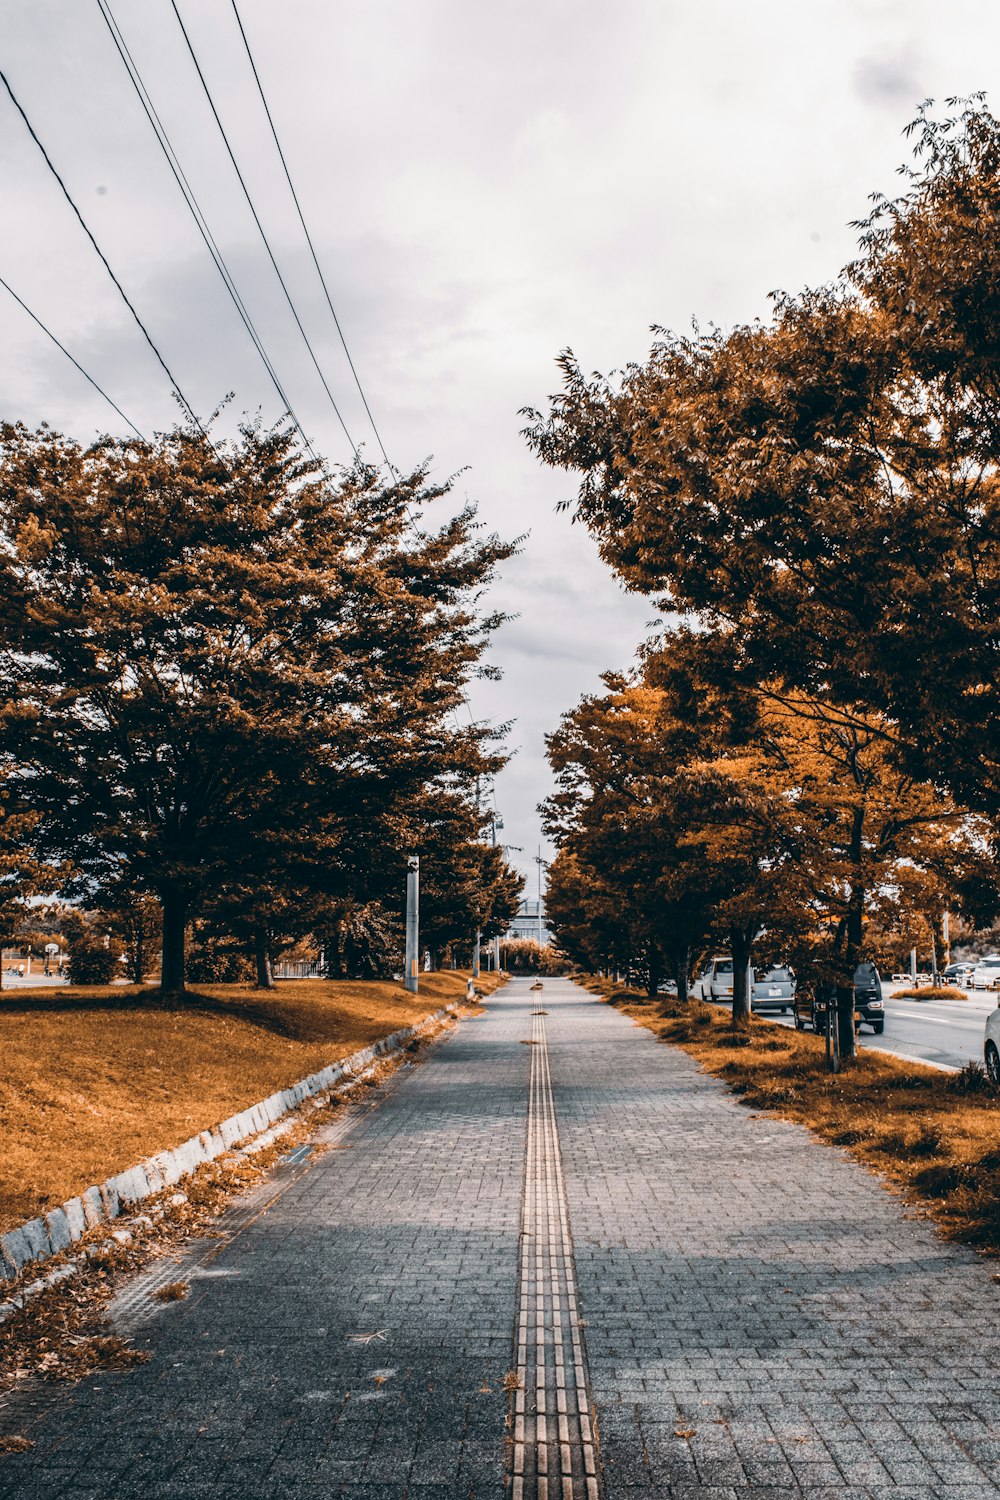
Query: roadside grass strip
x=96, y=1080
x=80, y=1317
x=935, y=1136
x=931, y=992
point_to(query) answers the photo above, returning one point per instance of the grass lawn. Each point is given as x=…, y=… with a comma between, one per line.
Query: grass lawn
x=93, y=1080
x=932, y=1134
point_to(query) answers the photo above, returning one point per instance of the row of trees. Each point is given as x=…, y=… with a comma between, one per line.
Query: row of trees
x=815, y=499
x=229, y=682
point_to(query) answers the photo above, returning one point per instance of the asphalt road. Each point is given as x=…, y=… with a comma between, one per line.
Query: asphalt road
x=947, y=1033
x=556, y=1261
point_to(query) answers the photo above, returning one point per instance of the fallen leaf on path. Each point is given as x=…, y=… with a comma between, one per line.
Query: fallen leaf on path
x=15, y=1443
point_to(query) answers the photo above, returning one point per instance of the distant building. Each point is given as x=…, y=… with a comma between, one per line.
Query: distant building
x=525, y=924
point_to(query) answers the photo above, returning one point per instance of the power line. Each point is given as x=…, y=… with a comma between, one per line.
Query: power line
x=84, y=226
x=48, y=332
x=260, y=228
x=195, y=209
x=309, y=240
x=326, y=292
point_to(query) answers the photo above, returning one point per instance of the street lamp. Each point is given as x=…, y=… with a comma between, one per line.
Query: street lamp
x=411, y=976
x=541, y=863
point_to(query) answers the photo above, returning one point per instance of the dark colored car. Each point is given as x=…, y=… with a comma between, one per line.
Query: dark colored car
x=868, y=997
x=811, y=1008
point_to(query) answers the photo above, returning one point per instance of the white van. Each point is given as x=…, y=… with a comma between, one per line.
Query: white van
x=715, y=982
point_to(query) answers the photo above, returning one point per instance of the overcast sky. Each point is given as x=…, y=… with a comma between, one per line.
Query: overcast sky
x=486, y=185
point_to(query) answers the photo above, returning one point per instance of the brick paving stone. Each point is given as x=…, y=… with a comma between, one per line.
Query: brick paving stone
x=412, y=1232
x=740, y=1284
x=734, y=1269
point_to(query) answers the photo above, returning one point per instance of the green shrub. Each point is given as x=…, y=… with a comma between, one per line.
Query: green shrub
x=93, y=958
x=214, y=962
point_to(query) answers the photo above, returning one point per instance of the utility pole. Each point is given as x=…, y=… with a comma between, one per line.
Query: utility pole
x=411, y=977
x=539, y=861
x=497, y=822
x=476, y=954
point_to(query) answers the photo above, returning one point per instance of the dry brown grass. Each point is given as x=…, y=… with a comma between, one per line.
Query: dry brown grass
x=931, y=992
x=174, y=1291
x=93, y=1080
x=933, y=1134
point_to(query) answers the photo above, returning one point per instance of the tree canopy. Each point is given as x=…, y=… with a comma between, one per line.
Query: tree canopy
x=223, y=667
x=826, y=482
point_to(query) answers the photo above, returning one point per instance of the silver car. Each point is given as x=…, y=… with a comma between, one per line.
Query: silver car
x=991, y=1046
x=774, y=989
x=986, y=974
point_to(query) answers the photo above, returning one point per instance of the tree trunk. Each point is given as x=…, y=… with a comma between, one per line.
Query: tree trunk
x=682, y=959
x=174, y=924
x=741, y=943
x=852, y=957
x=262, y=959
x=655, y=970
x=335, y=953
x=854, y=934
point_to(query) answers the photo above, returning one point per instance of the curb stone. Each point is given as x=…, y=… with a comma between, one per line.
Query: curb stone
x=48, y=1235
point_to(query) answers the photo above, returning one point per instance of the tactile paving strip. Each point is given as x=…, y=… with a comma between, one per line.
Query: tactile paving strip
x=554, y=1454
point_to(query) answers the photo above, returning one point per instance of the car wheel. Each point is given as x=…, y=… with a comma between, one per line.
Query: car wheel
x=878, y=1027
x=993, y=1063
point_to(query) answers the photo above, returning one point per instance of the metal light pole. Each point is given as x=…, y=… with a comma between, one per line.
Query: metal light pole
x=540, y=862
x=496, y=823
x=411, y=976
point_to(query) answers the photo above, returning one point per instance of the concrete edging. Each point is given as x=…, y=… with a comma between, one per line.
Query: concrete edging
x=48, y=1235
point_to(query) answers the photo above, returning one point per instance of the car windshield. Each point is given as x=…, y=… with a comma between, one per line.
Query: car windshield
x=989, y=963
x=723, y=966
x=865, y=974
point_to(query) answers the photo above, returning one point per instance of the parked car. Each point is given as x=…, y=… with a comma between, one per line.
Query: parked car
x=960, y=974
x=868, y=997
x=774, y=989
x=715, y=982
x=991, y=1046
x=811, y=1007
x=986, y=974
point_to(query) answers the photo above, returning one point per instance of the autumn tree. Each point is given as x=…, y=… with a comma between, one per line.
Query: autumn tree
x=587, y=916
x=824, y=484
x=682, y=842
x=201, y=644
x=466, y=884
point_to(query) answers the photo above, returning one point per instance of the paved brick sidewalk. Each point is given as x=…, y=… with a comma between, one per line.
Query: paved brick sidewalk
x=257, y=1386
x=762, y=1319
x=746, y=1285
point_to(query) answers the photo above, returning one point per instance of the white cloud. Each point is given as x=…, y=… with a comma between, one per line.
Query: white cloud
x=486, y=185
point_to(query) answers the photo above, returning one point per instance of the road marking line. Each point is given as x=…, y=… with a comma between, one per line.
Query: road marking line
x=553, y=1430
